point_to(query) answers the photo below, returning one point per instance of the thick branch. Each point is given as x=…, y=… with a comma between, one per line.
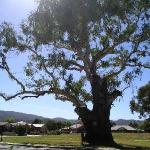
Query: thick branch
x=112, y=96
x=10, y=74
x=63, y=93
x=20, y=94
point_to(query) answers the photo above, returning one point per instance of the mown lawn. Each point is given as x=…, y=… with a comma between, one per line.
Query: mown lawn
x=64, y=139
x=129, y=139
x=133, y=139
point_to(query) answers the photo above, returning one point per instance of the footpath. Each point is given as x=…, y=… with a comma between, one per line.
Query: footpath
x=9, y=146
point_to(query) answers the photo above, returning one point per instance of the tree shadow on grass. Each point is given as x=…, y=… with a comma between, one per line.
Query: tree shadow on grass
x=115, y=146
x=130, y=147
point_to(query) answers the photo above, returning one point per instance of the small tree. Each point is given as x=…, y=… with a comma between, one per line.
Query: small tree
x=141, y=103
x=145, y=125
x=66, y=124
x=51, y=125
x=81, y=51
x=9, y=120
x=133, y=124
x=20, y=130
x=112, y=123
x=37, y=121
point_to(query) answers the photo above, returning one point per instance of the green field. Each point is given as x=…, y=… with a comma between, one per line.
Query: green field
x=141, y=140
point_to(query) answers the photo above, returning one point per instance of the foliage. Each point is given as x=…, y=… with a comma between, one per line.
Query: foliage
x=54, y=132
x=20, y=130
x=133, y=124
x=112, y=123
x=9, y=120
x=52, y=125
x=141, y=103
x=66, y=124
x=145, y=125
x=88, y=37
x=37, y=121
x=91, y=51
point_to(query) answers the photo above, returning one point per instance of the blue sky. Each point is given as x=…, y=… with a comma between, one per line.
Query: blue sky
x=14, y=11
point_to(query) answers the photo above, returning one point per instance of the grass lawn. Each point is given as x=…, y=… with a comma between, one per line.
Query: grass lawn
x=64, y=139
x=129, y=139
x=133, y=139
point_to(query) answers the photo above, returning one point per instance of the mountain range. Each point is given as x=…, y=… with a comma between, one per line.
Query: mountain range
x=17, y=116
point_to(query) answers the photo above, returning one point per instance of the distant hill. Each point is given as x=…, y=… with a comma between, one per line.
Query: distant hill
x=126, y=122
x=30, y=117
x=27, y=117
x=65, y=120
x=19, y=116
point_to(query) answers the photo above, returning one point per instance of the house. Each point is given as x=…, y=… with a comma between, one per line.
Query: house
x=123, y=128
x=76, y=128
x=38, y=128
x=22, y=123
x=4, y=125
x=65, y=130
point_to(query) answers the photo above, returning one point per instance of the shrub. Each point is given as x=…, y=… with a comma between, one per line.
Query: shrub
x=20, y=130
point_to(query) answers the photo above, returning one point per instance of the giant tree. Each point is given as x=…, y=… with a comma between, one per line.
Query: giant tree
x=81, y=51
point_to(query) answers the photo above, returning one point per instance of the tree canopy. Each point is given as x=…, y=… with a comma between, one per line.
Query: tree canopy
x=37, y=121
x=141, y=103
x=80, y=51
x=67, y=48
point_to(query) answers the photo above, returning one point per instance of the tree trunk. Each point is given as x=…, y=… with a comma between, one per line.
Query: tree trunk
x=96, y=122
x=98, y=132
x=97, y=127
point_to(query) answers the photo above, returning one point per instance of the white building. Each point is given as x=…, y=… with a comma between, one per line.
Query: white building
x=123, y=128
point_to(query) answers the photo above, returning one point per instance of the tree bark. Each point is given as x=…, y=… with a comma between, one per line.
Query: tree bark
x=97, y=127
x=96, y=122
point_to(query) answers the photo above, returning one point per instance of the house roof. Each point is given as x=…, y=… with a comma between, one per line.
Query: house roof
x=66, y=128
x=38, y=125
x=3, y=123
x=19, y=123
x=75, y=126
x=121, y=127
x=14, y=124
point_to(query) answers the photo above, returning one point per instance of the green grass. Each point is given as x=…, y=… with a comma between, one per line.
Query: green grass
x=129, y=139
x=63, y=140
x=133, y=139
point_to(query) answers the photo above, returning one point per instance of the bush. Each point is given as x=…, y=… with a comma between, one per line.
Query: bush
x=56, y=132
x=9, y=133
x=145, y=125
x=20, y=130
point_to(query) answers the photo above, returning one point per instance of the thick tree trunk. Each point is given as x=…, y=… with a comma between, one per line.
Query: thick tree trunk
x=96, y=122
x=98, y=131
x=97, y=127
